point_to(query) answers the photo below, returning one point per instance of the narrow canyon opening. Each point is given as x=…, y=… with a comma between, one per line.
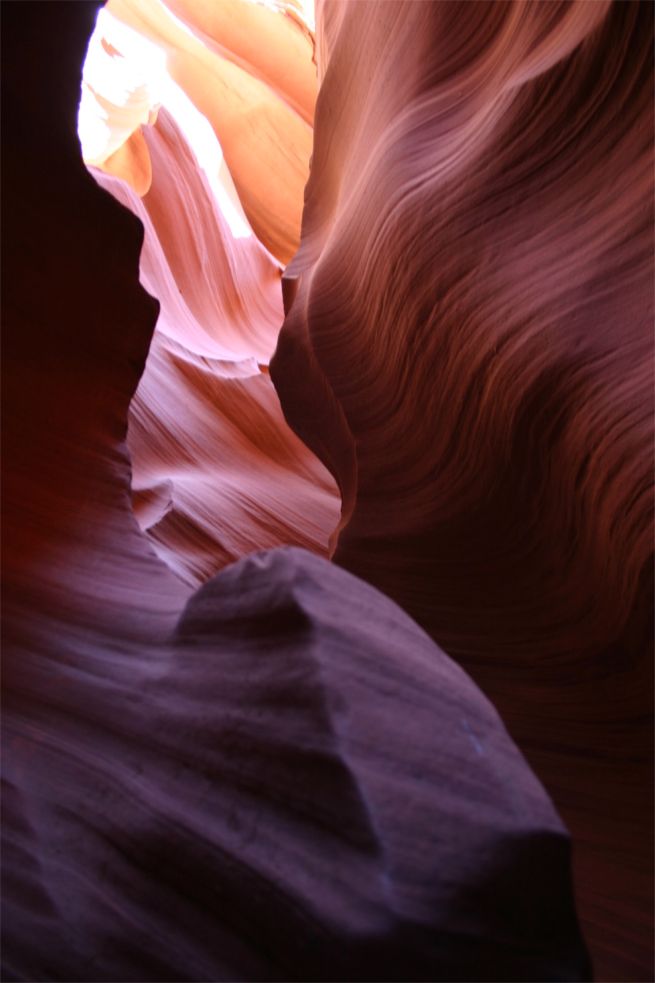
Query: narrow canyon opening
x=198, y=118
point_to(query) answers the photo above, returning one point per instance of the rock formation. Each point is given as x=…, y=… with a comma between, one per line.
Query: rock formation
x=217, y=472
x=474, y=301
x=279, y=774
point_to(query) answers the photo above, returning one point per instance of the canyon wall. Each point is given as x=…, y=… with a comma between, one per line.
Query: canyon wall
x=470, y=351
x=280, y=775
x=217, y=473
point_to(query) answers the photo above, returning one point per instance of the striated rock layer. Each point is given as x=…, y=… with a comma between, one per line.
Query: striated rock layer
x=217, y=472
x=281, y=776
x=469, y=350
x=277, y=777
x=259, y=109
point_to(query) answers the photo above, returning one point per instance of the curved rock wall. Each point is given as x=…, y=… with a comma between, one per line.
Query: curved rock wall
x=474, y=305
x=217, y=472
x=280, y=776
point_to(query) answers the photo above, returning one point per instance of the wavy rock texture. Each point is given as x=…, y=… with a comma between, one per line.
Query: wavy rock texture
x=217, y=472
x=221, y=786
x=250, y=802
x=473, y=302
x=281, y=776
x=260, y=111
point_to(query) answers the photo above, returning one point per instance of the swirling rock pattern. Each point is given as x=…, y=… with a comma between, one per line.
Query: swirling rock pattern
x=218, y=786
x=259, y=110
x=249, y=802
x=281, y=776
x=217, y=472
x=472, y=302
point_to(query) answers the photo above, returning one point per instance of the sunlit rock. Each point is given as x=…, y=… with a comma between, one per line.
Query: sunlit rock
x=217, y=472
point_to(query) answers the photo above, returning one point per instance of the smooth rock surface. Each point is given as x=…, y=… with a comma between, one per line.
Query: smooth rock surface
x=299, y=785
x=470, y=352
x=281, y=776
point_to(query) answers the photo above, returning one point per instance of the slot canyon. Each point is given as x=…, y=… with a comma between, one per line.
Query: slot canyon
x=327, y=486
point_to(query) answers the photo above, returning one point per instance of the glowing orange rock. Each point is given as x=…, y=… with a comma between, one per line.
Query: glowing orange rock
x=266, y=142
x=217, y=472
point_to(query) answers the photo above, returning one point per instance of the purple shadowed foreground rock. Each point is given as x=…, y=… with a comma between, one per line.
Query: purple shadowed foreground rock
x=299, y=785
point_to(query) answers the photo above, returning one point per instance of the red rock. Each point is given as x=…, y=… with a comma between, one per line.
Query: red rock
x=470, y=352
x=280, y=776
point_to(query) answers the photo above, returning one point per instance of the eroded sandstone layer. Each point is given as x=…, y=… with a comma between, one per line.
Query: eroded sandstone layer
x=474, y=304
x=280, y=775
x=217, y=472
